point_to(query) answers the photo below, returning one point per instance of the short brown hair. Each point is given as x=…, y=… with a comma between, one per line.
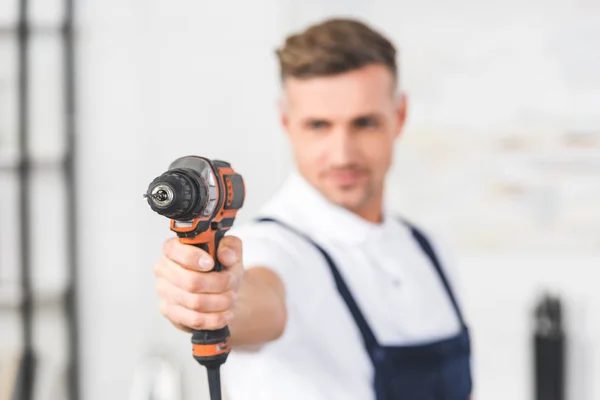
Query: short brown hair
x=332, y=47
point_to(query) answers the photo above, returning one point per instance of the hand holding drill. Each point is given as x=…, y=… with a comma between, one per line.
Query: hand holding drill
x=191, y=297
x=200, y=271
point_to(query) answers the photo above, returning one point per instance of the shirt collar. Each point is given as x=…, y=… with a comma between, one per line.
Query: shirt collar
x=303, y=206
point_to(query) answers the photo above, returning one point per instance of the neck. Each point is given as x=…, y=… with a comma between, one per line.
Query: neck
x=374, y=216
x=372, y=211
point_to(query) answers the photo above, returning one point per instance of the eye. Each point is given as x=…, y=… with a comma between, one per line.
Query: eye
x=366, y=123
x=317, y=125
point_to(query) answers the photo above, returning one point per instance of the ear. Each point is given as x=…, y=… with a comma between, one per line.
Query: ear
x=401, y=107
x=282, y=109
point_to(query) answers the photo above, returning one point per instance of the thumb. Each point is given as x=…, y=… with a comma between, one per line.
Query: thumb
x=229, y=252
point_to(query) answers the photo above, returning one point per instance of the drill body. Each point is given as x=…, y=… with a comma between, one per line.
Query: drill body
x=201, y=197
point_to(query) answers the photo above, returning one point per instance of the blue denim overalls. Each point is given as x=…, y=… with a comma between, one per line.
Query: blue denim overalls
x=434, y=371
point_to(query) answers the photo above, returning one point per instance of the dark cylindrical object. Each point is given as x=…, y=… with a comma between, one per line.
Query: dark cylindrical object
x=72, y=206
x=25, y=379
x=214, y=383
x=549, y=350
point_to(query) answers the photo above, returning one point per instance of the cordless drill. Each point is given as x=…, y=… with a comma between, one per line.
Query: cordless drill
x=202, y=198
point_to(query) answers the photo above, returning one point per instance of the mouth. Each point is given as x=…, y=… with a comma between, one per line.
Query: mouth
x=345, y=178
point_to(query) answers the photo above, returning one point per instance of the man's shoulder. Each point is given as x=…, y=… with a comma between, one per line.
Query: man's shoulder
x=441, y=246
x=262, y=228
x=445, y=252
x=271, y=240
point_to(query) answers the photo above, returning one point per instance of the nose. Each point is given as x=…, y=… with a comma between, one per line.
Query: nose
x=342, y=147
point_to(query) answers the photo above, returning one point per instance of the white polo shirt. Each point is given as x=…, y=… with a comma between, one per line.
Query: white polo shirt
x=321, y=353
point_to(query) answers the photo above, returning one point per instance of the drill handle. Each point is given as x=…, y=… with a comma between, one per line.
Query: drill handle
x=209, y=242
x=210, y=347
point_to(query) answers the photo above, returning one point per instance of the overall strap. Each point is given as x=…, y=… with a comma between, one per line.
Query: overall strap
x=368, y=337
x=428, y=249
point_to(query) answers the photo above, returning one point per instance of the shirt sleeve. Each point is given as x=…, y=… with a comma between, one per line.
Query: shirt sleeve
x=268, y=245
x=262, y=246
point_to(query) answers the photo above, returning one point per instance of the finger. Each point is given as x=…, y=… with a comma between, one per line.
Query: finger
x=230, y=255
x=230, y=251
x=181, y=316
x=188, y=256
x=196, y=302
x=194, y=281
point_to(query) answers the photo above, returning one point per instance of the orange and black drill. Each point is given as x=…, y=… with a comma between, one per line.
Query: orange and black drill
x=201, y=197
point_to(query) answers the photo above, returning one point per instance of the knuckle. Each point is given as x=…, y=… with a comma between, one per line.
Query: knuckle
x=210, y=303
x=195, y=285
x=219, y=302
x=211, y=283
x=224, y=302
x=196, y=303
x=197, y=321
x=215, y=322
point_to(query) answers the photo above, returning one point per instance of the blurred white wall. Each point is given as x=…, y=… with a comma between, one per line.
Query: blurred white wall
x=163, y=79
x=159, y=80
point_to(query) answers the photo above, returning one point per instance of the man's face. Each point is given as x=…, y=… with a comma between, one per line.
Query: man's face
x=342, y=130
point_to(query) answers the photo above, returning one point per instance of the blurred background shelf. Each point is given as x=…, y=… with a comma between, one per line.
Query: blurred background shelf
x=36, y=292
x=6, y=30
x=10, y=161
x=11, y=296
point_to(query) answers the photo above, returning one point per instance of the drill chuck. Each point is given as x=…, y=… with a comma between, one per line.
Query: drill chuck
x=162, y=195
x=179, y=194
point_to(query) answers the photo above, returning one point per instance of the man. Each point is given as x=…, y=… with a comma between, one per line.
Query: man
x=333, y=296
